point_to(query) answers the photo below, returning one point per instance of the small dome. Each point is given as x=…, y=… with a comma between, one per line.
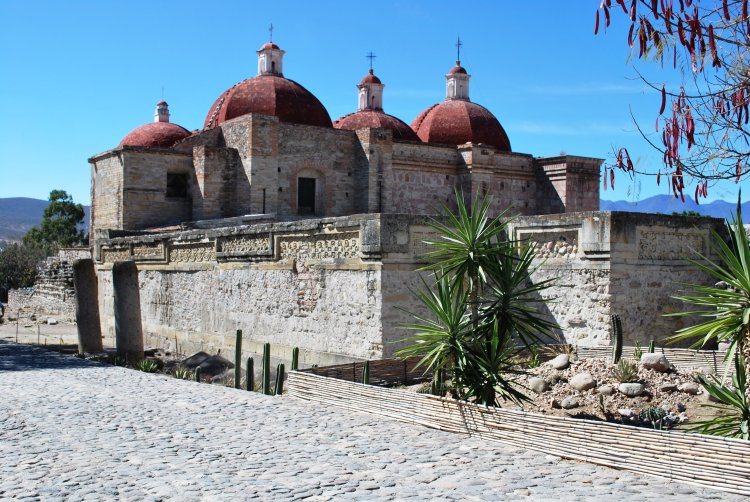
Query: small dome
x=370, y=78
x=457, y=69
x=376, y=119
x=456, y=121
x=155, y=134
x=269, y=45
x=269, y=95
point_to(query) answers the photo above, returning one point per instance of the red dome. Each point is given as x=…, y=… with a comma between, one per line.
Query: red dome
x=457, y=121
x=457, y=69
x=155, y=134
x=370, y=78
x=269, y=45
x=375, y=119
x=269, y=95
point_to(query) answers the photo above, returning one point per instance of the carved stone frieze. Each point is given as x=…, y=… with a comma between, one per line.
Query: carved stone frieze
x=250, y=244
x=196, y=252
x=669, y=245
x=417, y=245
x=113, y=254
x=153, y=251
x=319, y=247
x=548, y=245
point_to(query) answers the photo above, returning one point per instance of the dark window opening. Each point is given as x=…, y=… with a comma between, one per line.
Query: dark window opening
x=273, y=66
x=306, y=196
x=177, y=185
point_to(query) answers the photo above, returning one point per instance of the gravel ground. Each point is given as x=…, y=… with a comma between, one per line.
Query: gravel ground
x=75, y=430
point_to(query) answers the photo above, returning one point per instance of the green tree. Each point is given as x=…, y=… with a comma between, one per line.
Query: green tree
x=60, y=224
x=481, y=305
x=18, y=265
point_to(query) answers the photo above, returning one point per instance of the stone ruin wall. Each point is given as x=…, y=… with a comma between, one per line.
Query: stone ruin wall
x=311, y=284
x=336, y=287
x=628, y=264
x=53, y=293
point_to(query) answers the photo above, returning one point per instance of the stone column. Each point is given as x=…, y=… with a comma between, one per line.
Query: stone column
x=87, y=306
x=127, y=298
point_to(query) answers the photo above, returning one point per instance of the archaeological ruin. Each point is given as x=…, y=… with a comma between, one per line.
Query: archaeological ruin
x=307, y=232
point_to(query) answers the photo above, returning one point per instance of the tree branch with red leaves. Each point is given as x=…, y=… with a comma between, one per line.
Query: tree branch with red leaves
x=704, y=133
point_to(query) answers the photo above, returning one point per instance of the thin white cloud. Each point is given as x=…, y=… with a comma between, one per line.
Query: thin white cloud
x=568, y=129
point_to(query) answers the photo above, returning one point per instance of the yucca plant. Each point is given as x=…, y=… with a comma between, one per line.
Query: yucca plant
x=481, y=303
x=732, y=401
x=727, y=304
x=147, y=366
x=181, y=373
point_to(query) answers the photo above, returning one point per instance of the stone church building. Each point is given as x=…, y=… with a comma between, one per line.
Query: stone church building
x=304, y=231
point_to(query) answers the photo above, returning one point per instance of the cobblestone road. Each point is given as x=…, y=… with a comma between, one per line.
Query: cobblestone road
x=74, y=430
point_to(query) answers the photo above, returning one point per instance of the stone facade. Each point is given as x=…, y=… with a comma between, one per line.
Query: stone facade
x=253, y=164
x=340, y=287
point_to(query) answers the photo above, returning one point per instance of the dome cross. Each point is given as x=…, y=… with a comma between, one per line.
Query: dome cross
x=370, y=56
x=459, y=44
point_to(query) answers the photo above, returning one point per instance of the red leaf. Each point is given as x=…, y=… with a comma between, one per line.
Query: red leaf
x=697, y=187
x=612, y=178
x=658, y=178
x=632, y=10
x=596, y=28
x=663, y=99
x=657, y=124
x=630, y=35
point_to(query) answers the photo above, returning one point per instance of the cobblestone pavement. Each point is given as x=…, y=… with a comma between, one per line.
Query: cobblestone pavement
x=75, y=430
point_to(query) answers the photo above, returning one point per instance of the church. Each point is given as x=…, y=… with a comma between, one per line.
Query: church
x=305, y=231
x=268, y=146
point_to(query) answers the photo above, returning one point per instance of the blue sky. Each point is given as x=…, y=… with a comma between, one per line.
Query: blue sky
x=78, y=75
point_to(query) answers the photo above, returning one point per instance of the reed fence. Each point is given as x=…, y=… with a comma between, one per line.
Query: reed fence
x=683, y=359
x=383, y=372
x=707, y=461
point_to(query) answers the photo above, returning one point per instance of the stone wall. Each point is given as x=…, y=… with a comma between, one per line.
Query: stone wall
x=628, y=264
x=341, y=287
x=53, y=293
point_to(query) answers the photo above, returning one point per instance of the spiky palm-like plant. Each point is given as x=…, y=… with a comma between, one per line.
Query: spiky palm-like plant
x=727, y=307
x=481, y=304
x=731, y=400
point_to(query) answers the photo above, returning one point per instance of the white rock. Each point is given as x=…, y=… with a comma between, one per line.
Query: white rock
x=583, y=381
x=570, y=402
x=625, y=412
x=690, y=388
x=606, y=390
x=632, y=389
x=655, y=361
x=538, y=385
x=560, y=362
x=51, y=321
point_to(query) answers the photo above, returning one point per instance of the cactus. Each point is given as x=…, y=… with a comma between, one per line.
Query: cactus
x=279, y=379
x=250, y=375
x=616, y=338
x=198, y=374
x=238, y=360
x=366, y=373
x=651, y=346
x=295, y=358
x=265, y=381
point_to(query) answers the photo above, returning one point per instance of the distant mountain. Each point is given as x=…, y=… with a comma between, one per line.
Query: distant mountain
x=19, y=214
x=667, y=204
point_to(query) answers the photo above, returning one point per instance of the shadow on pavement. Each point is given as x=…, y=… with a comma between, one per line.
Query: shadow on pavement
x=18, y=357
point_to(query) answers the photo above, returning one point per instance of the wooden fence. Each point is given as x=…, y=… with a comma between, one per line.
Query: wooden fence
x=383, y=372
x=683, y=359
x=708, y=461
